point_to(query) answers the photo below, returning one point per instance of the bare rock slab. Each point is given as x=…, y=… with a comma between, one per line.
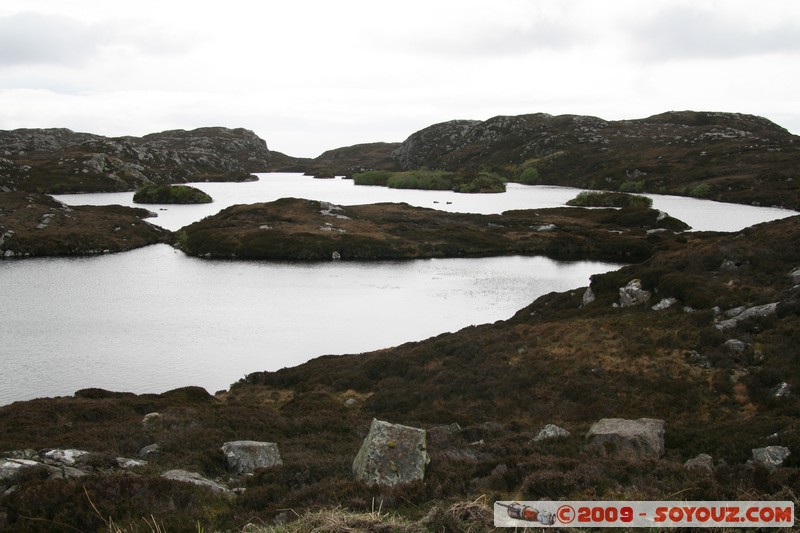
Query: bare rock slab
x=391, y=454
x=194, y=478
x=245, y=456
x=642, y=438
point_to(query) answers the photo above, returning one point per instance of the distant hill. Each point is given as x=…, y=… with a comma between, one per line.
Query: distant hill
x=729, y=157
x=60, y=160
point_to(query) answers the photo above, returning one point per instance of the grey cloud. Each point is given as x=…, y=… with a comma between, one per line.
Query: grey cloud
x=682, y=32
x=509, y=41
x=41, y=39
x=36, y=38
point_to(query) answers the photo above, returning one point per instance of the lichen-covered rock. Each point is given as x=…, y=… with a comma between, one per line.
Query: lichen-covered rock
x=245, y=456
x=771, y=456
x=633, y=294
x=391, y=454
x=665, y=303
x=184, y=476
x=551, y=431
x=739, y=314
x=702, y=461
x=643, y=438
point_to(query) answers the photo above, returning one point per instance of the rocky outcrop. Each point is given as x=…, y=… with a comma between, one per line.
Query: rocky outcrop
x=771, y=456
x=703, y=154
x=245, y=456
x=642, y=438
x=59, y=160
x=58, y=463
x=37, y=225
x=633, y=294
x=391, y=454
x=731, y=318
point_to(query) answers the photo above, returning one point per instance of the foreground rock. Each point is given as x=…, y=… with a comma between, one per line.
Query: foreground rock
x=391, y=454
x=245, y=456
x=642, y=438
x=37, y=225
x=60, y=160
x=294, y=229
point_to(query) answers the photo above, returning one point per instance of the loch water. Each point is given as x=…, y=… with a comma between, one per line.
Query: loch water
x=153, y=319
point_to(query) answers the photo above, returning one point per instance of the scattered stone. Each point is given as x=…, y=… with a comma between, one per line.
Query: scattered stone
x=729, y=266
x=782, y=390
x=735, y=346
x=795, y=276
x=588, y=296
x=149, y=450
x=551, y=431
x=152, y=421
x=772, y=456
x=695, y=358
x=665, y=303
x=67, y=457
x=351, y=402
x=11, y=467
x=736, y=316
x=544, y=228
x=184, y=476
x=391, y=454
x=701, y=462
x=245, y=456
x=633, y=294
x=124, y=462
x=643, y=438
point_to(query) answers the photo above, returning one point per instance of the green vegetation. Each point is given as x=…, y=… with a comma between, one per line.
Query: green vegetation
x=609, y=199
x=170, y=194
x=529, y=176
x=433, y=180
x=632, y=186
x=700, y=190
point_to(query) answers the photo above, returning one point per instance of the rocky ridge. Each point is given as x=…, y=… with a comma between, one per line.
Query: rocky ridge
x=728, y=157
x=61, y=161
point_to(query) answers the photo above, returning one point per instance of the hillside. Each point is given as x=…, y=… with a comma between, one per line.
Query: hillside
x=729, y=157
x=63, y=161
x=709, y=345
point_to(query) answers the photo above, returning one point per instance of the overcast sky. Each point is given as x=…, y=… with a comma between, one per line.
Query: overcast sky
x=311, y=75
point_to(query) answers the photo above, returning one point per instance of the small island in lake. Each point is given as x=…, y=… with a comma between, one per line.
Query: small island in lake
x=170, y=194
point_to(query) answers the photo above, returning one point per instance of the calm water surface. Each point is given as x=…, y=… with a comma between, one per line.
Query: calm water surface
x=153, y=319
x=702, y=215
